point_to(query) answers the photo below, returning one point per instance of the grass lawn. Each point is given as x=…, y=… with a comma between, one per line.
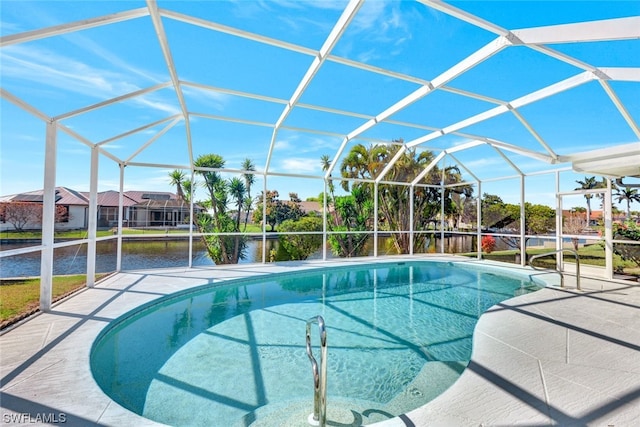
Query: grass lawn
x=19, y=297
x=589, y=255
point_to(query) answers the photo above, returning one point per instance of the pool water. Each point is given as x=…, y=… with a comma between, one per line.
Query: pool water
x=398, y=335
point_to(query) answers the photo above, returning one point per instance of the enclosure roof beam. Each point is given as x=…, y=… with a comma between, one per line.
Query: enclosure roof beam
x=521, y=151
x=24, y=105
x=465, y=16
x=166, y=51
x=88, y=143
x=621, y=108
x=507, y=159
x=153, y=139
x=140, y=129
x=390, y=164
x=307, y=51
x=231, y=119
x=337, y=31
x=466, y=64
x=339, y=28
x=533, y=132
x=112, y=101
x=463, y=166
x=591, y=31
x=73, y=26
x=429, y=167
x=234, y=92
x=627, y=74
x=235, y=32
x=517, y=103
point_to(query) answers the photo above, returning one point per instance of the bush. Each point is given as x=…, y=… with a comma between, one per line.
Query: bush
x=300, y=246
x=488, y=244
x=627, y=231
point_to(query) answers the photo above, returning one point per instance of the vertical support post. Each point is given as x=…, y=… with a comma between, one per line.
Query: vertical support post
x=608, y=232
x=120, y=214
x=324, y=222
x=479, y=223
x=442, y=215
x=264, y=220
x=411, y=213
x=375, y=219
x=93, y=218
x=48, y=216
x=558, y=223
x=523, y=225
x=191, y=219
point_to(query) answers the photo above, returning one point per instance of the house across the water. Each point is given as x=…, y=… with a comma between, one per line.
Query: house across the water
x=139, y=209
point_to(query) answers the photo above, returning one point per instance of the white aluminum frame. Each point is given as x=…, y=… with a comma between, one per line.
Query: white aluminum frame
x=536, y=39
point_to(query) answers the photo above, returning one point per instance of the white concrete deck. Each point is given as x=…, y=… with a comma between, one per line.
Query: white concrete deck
x=554, y=357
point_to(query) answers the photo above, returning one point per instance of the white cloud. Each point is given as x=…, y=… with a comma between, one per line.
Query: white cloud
x=300, y=165
x=210, y=98
x=70, y=75
x=282, y=145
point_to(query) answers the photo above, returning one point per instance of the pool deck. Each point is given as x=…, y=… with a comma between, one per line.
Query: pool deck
x=554, y=357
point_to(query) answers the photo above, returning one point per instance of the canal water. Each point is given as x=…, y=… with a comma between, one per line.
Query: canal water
x=144, y=254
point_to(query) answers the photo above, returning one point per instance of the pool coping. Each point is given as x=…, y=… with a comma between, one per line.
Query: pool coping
x=554, y=357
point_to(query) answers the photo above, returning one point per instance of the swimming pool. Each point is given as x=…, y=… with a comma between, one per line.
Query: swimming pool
x=233, y=353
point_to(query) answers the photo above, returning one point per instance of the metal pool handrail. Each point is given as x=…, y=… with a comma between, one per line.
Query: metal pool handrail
x=575, y=253
x=319, y=378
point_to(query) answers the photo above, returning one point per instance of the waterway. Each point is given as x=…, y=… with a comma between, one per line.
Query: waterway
x=145, y=254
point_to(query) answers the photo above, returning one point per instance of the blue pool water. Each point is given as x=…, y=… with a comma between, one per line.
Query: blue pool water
x=234, y=354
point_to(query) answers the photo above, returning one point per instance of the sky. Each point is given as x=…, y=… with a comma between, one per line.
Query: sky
x=64, y=73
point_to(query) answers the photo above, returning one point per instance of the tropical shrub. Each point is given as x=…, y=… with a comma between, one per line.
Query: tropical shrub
x=488, y=244
x=627, y=231
x=301, y=246
x=222, y=248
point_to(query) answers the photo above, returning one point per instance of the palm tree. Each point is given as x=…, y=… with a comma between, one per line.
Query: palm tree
x=223, y=249
x=249, y=180
x=187, y=186
x=213, y=182
x=177, y=179
x=629, y=195
x=456, y=198
x=367, y=163
x=326, y=163
x=237, y=191
x=589, y=183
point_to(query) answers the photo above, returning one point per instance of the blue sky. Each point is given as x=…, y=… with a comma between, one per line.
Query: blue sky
x=71, y=71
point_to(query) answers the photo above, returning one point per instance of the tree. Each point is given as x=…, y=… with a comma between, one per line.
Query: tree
x=237, y=191
x=393, y=200
x=589, y=183
x=573, y=224
x=494, y=212
x=278, y=210
x=301, y=246
x=21, y=214
x=222, y=249
x=349, y=215
x=187, y=186
x=539, y=219
x=271, y=218
x=458, y=198
x=628, y=195
x=249, y=180
x=177, y=178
